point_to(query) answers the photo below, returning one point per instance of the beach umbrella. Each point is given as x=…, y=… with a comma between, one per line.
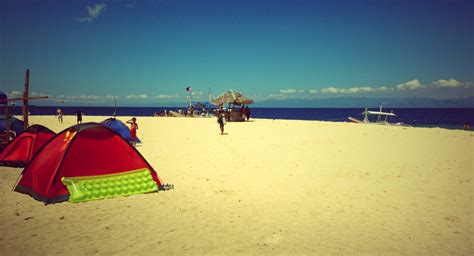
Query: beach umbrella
x=231, y=97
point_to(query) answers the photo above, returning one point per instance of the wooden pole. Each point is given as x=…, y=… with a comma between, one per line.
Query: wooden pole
x=25, y=99
x=190, y=99
x=115, y=106
x=7, y=119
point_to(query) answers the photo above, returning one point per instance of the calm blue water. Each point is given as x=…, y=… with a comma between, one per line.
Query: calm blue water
x=453, y=118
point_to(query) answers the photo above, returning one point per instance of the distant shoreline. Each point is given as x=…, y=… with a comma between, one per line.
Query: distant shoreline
x=451, y=118
x=449, y=127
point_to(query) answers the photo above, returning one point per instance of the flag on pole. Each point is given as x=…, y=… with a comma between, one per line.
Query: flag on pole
x=188, y=89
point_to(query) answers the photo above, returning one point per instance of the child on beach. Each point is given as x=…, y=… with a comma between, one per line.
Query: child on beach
x=220, y=120
x=133, y=131
x=59, y=114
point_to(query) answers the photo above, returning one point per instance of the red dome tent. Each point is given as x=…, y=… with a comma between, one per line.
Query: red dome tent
x=20, y=150
x=88, y=149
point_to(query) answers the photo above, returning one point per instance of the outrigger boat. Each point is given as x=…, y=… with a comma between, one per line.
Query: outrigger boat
x=382, y=118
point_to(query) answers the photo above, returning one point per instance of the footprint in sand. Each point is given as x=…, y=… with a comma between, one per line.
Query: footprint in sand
x=451, y=218
x=224, y=191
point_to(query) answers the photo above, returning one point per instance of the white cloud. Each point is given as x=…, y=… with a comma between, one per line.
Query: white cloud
x=385, y=89
x=167, y=96
x=400, y=89
x=364, y=89
x=78, y=98
x=84, y=97
x=110, y=97
x=131, y=5
x=38, y=94
x=14, y=94
x=450, y=83
x=354, y=90
x=275, y=95
x=290, y=91
x=93, y=12
x=330, y=90
x=410, y=85
x=137, y=97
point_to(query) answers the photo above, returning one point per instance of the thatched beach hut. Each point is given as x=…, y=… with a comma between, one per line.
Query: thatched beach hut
x=232, y=99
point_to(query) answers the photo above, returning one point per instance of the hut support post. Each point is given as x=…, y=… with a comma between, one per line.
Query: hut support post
x=25, y=99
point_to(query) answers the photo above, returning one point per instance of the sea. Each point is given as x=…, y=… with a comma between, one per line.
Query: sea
x=451, y=118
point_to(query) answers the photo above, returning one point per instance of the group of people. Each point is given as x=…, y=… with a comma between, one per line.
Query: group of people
x=133, y=123
x=220, y=113
x=245, y=111
x=59, y=115
x=221, y=117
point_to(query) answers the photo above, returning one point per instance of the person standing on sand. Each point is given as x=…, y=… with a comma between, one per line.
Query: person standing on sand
x=79, y=116
x=133, y=131
x=220, y=120
x=59, y=114
x=247, y=113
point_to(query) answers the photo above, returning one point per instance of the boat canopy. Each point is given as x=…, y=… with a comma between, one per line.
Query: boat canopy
x=205, y=105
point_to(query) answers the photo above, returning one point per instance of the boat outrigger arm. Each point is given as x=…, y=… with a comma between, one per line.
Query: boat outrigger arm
x=382, y=117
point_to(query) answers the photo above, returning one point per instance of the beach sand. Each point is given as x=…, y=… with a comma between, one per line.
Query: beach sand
x=266, y=187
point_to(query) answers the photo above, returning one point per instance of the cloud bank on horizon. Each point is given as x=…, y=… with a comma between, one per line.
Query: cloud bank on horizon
x=442, y=87
x=412, y=88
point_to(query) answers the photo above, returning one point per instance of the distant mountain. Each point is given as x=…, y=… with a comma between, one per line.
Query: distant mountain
x=361, y=102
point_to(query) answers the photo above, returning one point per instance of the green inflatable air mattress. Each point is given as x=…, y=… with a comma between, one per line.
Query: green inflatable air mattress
x=89, y=188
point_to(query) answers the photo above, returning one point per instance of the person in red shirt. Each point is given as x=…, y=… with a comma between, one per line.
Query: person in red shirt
x=133, y=131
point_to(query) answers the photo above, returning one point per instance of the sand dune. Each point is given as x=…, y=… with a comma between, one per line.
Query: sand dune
x=266, y=187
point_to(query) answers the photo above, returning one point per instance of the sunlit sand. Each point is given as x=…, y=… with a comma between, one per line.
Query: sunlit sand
x=266, y=187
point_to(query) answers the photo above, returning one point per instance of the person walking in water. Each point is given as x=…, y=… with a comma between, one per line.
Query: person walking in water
x=220, y=120
x=79, y=116
x=133, y=131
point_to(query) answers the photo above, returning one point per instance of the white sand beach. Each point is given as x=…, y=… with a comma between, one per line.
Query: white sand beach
x=266, y=187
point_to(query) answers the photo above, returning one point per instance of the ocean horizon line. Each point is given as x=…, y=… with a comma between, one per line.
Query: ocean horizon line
x=452, y=117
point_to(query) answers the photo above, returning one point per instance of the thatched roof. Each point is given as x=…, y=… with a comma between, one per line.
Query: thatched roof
x=232, y=97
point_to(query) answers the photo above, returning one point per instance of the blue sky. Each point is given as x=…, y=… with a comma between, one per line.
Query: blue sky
x=149, y=51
